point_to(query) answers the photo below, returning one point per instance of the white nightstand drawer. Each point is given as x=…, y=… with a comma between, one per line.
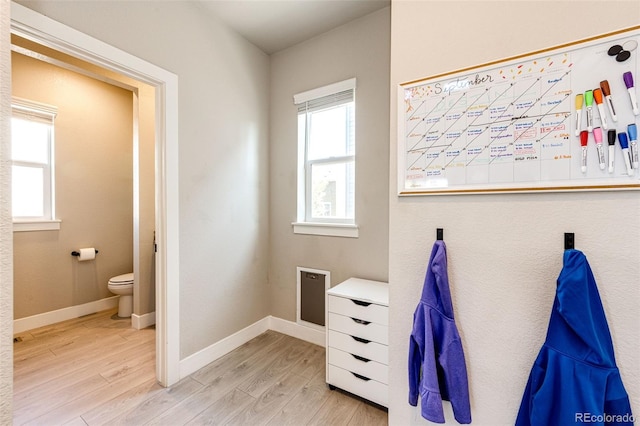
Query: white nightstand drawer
x=365, y=387
x=359, y=309
x=359, y=346
x=358, y=364
x=359, y=328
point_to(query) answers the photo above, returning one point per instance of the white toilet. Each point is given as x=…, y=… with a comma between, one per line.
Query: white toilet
x=123, y=286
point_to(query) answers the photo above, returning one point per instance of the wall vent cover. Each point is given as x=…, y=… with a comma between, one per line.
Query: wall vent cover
x=312, y=289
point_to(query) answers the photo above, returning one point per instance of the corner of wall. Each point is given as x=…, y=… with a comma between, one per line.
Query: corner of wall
x=6, y=225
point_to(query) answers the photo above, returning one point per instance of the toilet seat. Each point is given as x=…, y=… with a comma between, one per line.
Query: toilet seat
x=122, y=286
x=123, y=279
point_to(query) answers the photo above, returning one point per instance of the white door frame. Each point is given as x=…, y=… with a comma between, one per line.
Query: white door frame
x=36, y=27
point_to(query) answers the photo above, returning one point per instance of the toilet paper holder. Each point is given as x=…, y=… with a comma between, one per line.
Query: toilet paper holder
x=77, y=253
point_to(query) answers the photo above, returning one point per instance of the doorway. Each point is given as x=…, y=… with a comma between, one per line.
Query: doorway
x=32, y=26
x=101, y=163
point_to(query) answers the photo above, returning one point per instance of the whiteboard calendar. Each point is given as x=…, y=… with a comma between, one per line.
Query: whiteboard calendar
x=541, y=121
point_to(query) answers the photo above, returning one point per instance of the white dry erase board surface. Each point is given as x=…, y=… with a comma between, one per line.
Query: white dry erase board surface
x=510, y=125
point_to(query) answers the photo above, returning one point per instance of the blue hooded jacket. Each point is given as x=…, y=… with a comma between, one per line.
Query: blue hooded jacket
x=575, y=380
x=437, y=369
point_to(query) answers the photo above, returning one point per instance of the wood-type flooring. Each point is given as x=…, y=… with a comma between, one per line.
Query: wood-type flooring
x=96, y=370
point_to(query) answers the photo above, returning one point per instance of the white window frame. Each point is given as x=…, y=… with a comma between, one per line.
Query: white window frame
x=305, y=224
x=36, y=111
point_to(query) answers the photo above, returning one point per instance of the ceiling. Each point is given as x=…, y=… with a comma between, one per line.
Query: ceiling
x=274, y=25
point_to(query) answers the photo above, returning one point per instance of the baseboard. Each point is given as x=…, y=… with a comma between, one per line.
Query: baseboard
x=298, y=331
x=48, y=318
x=143, y=321
x=195, y=362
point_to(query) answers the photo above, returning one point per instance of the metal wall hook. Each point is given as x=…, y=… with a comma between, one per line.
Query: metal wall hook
x=439, y=234
x=569, y=240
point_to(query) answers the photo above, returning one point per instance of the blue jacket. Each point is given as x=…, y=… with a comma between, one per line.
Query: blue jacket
x=575, y=380
x=437, y=369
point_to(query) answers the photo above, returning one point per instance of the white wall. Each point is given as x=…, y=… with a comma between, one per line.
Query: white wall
x=357, y=49
x=223, y=148
x=505, y=251
x=6, y=227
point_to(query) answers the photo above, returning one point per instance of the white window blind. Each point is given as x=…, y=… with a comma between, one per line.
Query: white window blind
x=33, y=111
x=326, y=102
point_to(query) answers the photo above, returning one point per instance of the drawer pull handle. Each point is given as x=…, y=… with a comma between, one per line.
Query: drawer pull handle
x=360, y=358
x=359, y=321
x=361, y=377
x=360, y=302
x=360, y=339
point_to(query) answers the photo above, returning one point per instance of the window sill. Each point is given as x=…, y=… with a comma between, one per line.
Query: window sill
x=326, y=229
x=36, y=225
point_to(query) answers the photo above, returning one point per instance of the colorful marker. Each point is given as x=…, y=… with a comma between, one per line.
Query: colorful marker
x=597, y=135
x=579, y=101
x=597, y=95
x=632, y=130
x=584, y=139
x=606, y=91
x=588, y=100
x=624, y=144
x=611, y=135
x=628, y=81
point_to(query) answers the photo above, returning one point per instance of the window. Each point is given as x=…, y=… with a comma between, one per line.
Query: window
x=326, y=157
x=32, y=162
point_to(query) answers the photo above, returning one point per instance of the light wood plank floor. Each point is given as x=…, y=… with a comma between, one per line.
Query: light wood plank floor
x=95, y=370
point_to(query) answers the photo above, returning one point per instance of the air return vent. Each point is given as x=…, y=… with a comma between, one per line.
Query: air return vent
x=312, y=287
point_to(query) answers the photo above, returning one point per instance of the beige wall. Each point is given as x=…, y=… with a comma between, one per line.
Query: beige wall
x=503, y=275
x=358, y=49
x=143, y=171
x=94, y=184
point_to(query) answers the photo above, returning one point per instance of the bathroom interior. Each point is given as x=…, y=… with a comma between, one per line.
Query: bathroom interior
x=104, y=194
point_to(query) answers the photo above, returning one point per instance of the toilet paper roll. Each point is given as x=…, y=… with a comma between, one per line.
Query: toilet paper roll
x=87, y=254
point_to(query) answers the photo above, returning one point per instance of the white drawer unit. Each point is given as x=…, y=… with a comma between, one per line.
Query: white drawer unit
x=358, y=339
